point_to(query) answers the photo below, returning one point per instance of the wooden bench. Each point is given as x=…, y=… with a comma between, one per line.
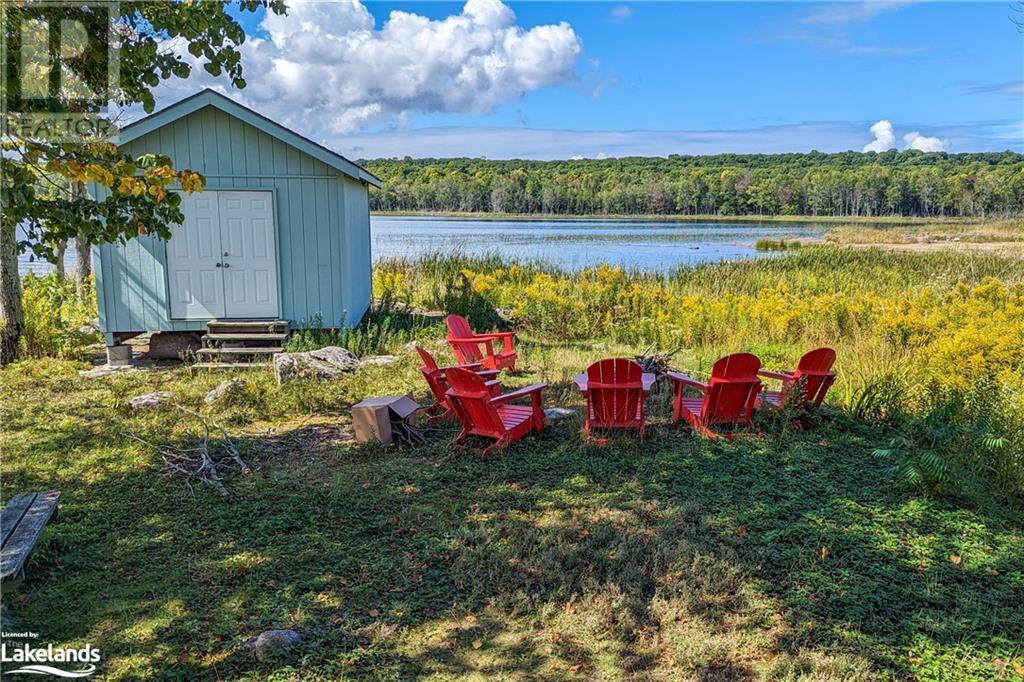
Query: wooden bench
x=21, y=523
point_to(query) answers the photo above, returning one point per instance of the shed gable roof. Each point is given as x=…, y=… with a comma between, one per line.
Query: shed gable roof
x=212, y=98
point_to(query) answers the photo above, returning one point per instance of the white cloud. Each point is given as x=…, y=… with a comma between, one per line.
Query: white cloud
x=850, y=12
x=620, y=14
x=916, y=140
x=326, y=67
x=885, y=138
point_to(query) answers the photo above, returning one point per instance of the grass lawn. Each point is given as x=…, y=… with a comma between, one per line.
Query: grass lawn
x=795, y=556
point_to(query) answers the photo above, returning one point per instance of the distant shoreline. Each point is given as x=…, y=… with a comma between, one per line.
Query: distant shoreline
x=895, y=221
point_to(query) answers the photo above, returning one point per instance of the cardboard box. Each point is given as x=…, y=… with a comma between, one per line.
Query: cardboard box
x=372, y=417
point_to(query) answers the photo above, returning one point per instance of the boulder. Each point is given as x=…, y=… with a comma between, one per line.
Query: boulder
x=271, y=643
x=323, y=364
x=173, y=345
x=148, y=401
x=379, y=360
x=224, y=390
x=556, y=413
x=342, y=358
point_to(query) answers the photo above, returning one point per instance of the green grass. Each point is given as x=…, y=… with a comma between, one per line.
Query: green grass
x=795, y=556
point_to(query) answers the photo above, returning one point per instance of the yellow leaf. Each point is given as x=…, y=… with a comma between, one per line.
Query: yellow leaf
x=1018, y=667
x=373, y=613
x=477, y=643
x=955, y=559
x=471, y=618
x=824, y=552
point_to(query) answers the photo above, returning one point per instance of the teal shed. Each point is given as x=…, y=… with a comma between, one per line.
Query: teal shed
x=281, y=231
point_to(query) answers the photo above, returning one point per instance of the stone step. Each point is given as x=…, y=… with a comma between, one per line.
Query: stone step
x=249, y=350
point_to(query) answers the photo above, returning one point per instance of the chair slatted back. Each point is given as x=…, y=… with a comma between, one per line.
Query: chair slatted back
x=458, y=328
x=732, y=390
x=814, y=374
x=614, y=391
x=472, y=403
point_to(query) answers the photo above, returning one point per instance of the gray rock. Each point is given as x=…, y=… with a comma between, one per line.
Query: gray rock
x=224, y=390
x=323, y=364
x=556, y=413
x=411, y=345
x=379, y=360
x=105, y=370
x=173, y=345
x=342, y=358
x=148, y=401
x=271, y=643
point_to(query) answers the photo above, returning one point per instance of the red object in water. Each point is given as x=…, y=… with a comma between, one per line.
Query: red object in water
x=813, y=377
x=491, y=416
x=466, y=344
x=615, y=390
x=727, y=398
x=435, y=376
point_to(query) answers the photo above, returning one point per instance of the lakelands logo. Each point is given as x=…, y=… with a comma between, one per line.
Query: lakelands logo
x=82, y=661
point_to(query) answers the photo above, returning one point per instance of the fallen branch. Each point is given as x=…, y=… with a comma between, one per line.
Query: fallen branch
x=198, y=463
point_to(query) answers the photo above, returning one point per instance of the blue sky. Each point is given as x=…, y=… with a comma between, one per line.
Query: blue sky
x=648, y=78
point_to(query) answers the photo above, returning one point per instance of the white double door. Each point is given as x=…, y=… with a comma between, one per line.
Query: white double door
x=222, y=261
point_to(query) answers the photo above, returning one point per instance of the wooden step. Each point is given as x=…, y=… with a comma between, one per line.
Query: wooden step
x=253, y=350
x=246, y=326
x=245, y=336
x=229, y=365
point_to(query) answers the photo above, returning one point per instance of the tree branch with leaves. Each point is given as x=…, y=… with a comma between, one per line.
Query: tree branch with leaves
x=41, y=179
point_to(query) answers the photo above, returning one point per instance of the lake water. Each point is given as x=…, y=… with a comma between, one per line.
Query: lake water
x=656, y=246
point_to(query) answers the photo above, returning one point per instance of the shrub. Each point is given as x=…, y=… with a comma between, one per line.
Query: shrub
x=57, y=323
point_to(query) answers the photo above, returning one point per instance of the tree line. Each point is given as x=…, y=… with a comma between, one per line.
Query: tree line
x=892, y=183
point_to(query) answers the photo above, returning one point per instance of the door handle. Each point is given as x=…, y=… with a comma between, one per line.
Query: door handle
x=218, y=265
x=226, y=253
x=227, y=265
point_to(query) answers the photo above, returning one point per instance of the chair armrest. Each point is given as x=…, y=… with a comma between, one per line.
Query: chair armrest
x=647, y=380
x=684, y=381
x=487, y=373
x=472, y=367
x=476, y=338
x=581, y=382
x=781, y=376
x=492, y=382
x=526, y=392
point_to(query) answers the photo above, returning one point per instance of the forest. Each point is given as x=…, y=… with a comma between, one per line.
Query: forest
x=892, y=183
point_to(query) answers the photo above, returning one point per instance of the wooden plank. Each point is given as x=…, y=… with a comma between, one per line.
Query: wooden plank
x=240, y=351
x=25, y=534
x=11, y=516
x=240, y=336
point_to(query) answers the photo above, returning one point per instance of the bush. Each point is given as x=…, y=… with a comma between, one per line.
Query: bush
x=57, y=323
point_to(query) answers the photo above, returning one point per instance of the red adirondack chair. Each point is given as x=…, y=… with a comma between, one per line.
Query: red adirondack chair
x=615, y=390
x=491, y=416
x=727, y=398
x=435, y=376
x=466, y=344
x=813, y=377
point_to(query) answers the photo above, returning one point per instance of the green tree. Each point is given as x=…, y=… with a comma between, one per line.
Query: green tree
x=42, y=179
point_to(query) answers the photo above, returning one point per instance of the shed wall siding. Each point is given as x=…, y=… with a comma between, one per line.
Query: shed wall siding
x=322, y=221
